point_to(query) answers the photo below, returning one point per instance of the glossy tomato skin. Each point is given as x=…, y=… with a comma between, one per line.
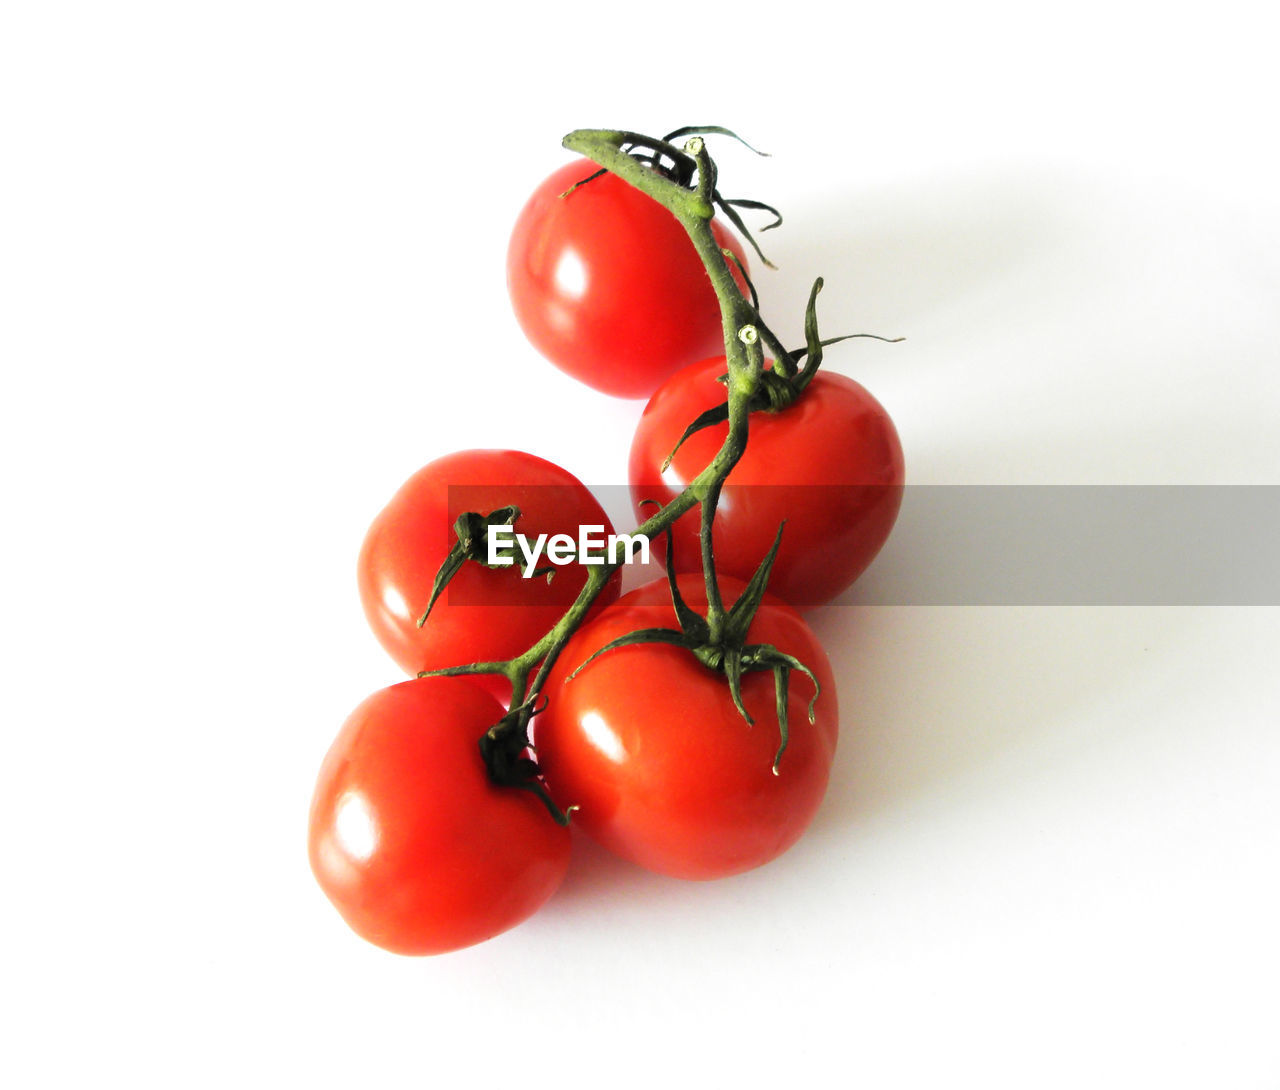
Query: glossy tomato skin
x=830, y=465
x=647, y=742
x=485, y=614
x=607, y=285
x=414, y=846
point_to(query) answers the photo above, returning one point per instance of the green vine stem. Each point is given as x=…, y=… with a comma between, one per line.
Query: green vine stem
x=745, y=338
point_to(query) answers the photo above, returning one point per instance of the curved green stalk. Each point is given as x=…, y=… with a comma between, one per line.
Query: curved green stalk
x=505, y=743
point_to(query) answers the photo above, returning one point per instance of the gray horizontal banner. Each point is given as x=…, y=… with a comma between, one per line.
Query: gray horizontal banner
x=1079, y=545
x=1036, y=545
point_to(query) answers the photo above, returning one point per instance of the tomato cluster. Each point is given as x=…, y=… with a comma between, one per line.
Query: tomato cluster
x=659, y=721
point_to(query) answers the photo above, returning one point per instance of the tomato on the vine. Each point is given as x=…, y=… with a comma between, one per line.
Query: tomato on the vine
x=484, y=614
x=829, y=465
x=666, y=772
x=608, y=286
x=414, y=846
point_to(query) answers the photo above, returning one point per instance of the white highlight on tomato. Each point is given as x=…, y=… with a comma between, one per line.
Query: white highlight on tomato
x=571, y=275
x=393, y=602
x=355, y=827
x=601, y=735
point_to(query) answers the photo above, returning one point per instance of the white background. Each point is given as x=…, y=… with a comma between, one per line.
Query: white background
x=252, y=261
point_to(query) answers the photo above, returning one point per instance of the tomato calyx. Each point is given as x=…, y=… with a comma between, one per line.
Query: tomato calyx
x=472, y=530
x=506, y=751
x=688, y=163
x=718, y=642
x=783, y=382
x=505, y=746
x=679, y=166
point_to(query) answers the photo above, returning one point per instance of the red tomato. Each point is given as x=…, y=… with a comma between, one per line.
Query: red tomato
x=485, y=614
x=414, y=846
x=830, y=465
x=666, y=772
x=607, y=285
